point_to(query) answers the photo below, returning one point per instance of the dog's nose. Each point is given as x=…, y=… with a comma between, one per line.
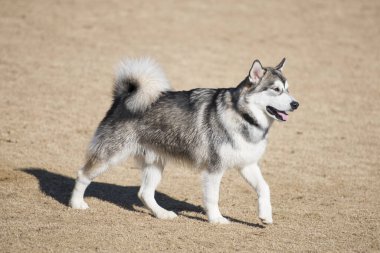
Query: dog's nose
x=294, y=105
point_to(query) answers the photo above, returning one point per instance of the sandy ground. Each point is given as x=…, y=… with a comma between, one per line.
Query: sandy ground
x=57, y=61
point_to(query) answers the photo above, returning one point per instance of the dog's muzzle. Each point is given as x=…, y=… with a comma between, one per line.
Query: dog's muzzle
x=280, y=115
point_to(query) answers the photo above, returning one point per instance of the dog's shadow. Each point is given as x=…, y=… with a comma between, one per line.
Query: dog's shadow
x=59, y=187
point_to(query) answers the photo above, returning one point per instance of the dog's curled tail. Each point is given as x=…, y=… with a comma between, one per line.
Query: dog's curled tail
x=140, y=82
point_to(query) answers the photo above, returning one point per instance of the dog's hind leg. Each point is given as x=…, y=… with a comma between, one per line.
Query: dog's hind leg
x=85, y=175
x=253, y=176
x=211, y=185
x=151, y=177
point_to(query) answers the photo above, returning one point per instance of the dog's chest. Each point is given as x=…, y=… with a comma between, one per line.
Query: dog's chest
x=242, y=153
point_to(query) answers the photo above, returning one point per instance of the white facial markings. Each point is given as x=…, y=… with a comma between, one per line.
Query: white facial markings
x=280, y=85
x=279, y=100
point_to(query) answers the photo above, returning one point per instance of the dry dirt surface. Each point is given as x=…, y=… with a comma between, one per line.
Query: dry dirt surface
x=57, y=62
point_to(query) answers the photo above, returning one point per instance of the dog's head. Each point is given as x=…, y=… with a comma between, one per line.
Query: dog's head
x=266, y=88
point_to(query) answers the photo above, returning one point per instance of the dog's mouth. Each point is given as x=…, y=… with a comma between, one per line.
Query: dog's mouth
x=280, y=115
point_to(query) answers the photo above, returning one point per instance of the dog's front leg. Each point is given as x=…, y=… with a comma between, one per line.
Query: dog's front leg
x=211, y=184
x=253, y=176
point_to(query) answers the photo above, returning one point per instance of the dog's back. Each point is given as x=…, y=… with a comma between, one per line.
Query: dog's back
x=185, y=125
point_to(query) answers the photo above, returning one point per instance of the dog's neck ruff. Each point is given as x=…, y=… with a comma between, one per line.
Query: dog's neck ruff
x=246, y=116
x=252, y=121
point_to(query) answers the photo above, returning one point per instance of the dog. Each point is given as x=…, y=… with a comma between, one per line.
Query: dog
x=211, y=129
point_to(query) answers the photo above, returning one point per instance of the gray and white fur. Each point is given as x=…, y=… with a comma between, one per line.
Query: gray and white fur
x=210, y=129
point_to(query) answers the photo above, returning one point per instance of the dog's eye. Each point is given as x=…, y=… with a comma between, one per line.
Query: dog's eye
x=276, y=89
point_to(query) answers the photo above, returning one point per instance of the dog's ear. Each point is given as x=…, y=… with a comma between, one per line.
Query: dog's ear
x=281, y=65
x=256, y=72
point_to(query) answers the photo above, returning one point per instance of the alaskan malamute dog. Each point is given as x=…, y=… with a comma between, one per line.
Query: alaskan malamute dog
x=211, y=129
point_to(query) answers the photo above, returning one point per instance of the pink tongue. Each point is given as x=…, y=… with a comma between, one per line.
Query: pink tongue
x=283, y=116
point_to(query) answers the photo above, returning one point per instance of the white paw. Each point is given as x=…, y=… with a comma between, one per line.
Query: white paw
x=78, y=204
x=265, y=211
x=165, y=215
x=219, y=220
x=266, y=220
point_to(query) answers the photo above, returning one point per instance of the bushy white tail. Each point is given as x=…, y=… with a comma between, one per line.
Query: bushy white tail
x=140, y=82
